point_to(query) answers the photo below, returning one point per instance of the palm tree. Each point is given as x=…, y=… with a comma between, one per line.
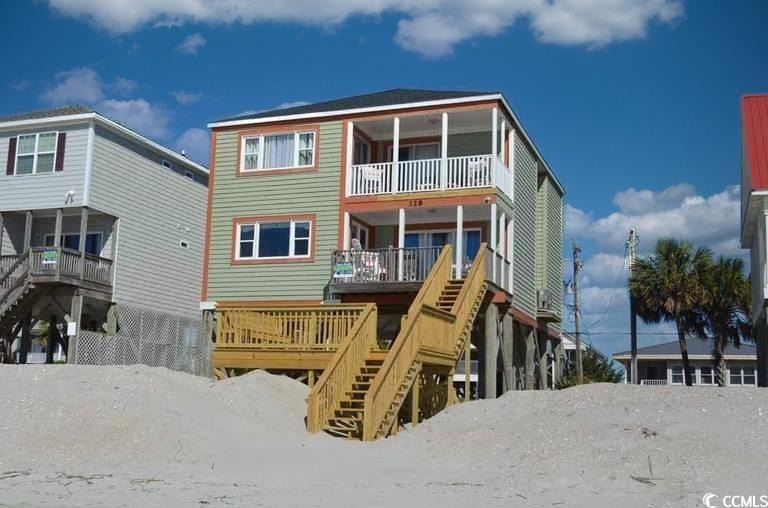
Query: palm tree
x=669, y=285
x=725, y=312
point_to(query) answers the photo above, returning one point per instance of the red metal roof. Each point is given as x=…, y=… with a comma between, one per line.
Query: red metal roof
x=754, y=113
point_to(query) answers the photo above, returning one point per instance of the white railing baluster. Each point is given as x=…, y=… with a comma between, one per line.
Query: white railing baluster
x=462, y=172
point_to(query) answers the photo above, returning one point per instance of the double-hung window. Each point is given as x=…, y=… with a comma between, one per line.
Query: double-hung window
x=742, y=375
x=277, y=239
x=707, y=375
x=278, y=151
x=677, y=375
x=36, y=153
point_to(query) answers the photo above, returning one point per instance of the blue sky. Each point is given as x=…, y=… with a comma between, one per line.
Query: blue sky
x=634, y=103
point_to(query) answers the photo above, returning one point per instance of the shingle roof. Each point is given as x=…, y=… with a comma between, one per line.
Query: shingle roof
x=76, y=109
x=386, y=98
x=696, y=346
x=754, y=113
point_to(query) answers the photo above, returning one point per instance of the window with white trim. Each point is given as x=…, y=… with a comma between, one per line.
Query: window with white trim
x=277, y=151
x=707, y=375
x=36, y=153
x=677, y=375
x=742, y=375
x=274, y=240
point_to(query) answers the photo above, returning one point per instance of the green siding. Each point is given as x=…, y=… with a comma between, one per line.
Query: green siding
x=541, y=230
x=554, y=247
x=316, y=192
x=526, y=175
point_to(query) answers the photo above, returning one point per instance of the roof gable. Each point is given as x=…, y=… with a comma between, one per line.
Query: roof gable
x=754, y=111
x=391, y=97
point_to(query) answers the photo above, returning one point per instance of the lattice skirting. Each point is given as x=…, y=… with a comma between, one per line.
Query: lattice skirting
x=149, y=337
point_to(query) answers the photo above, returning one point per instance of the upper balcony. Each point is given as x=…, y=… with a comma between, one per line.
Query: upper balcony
x=430, y=151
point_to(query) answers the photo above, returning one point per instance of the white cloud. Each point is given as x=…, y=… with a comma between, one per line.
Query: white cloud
x=80, y=85
x=191, y=44
x=124, y=86
x=196, y=144
x=676, y=212
x=430, y=27
x=149, y=119
x=184, y=97
x=83, y=85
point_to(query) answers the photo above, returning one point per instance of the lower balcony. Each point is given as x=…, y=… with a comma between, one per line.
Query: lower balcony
x=401, y=269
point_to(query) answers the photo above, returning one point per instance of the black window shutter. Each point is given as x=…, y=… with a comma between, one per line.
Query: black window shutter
x=9, y=168
x=60, y=144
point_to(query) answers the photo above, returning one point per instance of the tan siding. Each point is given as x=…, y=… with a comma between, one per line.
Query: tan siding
x=525, y=229
x=158, y=208
x=46, y=190
x=315, y=192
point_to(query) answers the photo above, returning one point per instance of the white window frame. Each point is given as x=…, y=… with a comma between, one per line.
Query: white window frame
x=713, y=375
x=36, y=153
x=356, y=225
x=296, y=137
x=362, y=141
x=100, y=234
x=166, y=163
x=741, y=368
x=694, y=374
x=291, y=240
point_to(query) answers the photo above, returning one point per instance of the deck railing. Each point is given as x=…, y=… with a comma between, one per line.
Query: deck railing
x=60, y=261
x=653, y=382
x=497, y=269
x=356, y=266
x=463, y=172
x=339, y=374
x=309, y=328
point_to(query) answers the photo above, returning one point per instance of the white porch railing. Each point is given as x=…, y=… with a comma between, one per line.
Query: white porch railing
x=653, y=382
x=497, y=269
x=465, y=172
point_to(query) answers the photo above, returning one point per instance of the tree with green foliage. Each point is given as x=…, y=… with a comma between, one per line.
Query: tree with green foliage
x=725, y=311
x=595, y=369
x=669, y=286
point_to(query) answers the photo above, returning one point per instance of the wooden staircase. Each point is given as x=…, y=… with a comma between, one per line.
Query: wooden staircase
x=359, y=397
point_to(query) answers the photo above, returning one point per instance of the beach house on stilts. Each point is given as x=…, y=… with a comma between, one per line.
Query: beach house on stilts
x=378, y=246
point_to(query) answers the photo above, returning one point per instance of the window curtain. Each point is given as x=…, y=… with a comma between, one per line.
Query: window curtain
x=278, y=151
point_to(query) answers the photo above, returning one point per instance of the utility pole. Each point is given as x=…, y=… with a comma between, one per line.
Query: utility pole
x=631, y=253
x=576, y=269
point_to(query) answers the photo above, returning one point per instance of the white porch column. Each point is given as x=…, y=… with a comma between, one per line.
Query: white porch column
x=350, y=157
x=395, y=155
x=400, y=242
x=503, y=139
x=444, y=154
x=494, y=242
x=495, y=131
x=503, y=277
x=511, y=163
x=459, y=240
x=510, y=253
x=347, y=232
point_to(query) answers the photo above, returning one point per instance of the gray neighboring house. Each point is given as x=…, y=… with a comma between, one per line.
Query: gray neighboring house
x=662, y=365
x=95, y=220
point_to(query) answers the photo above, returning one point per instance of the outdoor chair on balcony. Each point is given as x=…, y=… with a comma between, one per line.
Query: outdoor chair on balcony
x=478, y=173
x=372, y=178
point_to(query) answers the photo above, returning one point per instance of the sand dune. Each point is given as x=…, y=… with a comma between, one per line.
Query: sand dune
x=138, y=436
